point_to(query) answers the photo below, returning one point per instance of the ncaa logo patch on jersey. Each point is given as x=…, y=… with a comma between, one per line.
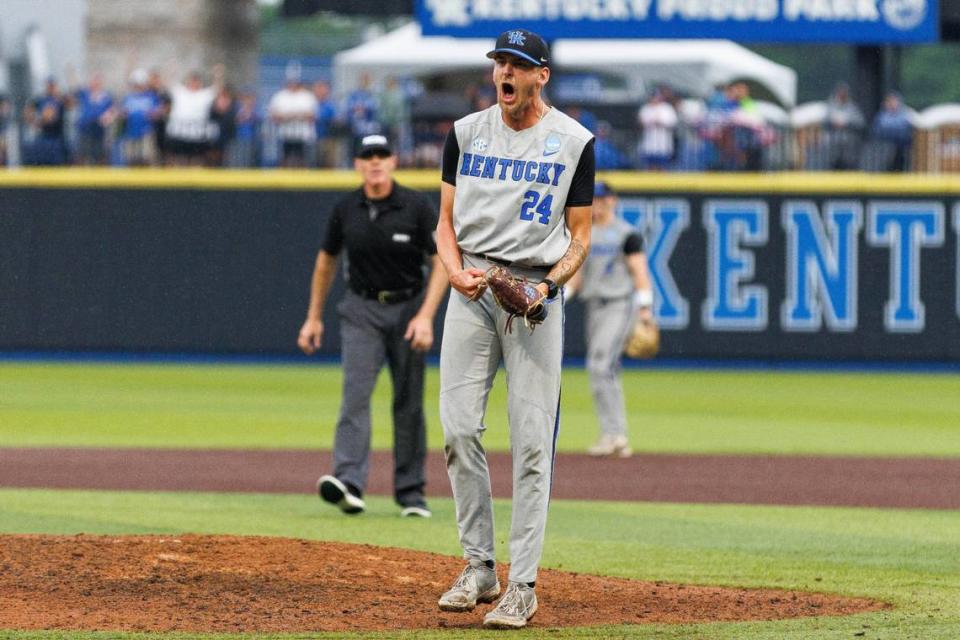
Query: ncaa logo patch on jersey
x=479, y=145
x=551, y=145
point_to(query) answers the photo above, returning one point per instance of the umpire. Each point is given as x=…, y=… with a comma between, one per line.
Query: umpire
x=386, y=314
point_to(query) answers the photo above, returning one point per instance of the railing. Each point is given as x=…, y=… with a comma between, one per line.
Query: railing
x=728, y=148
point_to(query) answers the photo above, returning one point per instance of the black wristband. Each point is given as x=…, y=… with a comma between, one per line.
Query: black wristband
x=552, y=288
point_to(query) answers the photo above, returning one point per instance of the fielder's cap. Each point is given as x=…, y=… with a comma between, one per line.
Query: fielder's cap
x=372, y=145
x=601, y=189
x=524, y=44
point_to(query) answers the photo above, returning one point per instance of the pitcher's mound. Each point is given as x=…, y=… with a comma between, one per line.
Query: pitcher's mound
x=247, y=584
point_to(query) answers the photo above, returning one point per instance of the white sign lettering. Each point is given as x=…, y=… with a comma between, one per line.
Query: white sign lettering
x=762, y=10
x=831, y=10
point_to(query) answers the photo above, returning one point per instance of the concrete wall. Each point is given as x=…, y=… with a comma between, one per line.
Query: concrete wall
x=174, y=36
x=60, y=21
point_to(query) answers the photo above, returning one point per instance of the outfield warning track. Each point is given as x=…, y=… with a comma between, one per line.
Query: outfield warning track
x=918, y=483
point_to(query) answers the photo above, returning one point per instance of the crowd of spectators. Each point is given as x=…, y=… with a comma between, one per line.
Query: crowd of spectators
x=202, y=120
x=729, y=131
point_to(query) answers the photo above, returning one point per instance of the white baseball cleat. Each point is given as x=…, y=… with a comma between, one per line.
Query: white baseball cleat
x=608, y=445
x=476, y=583
x=515, y=608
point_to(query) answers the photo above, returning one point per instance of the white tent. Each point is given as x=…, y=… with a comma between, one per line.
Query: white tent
x=690, y=66
x=937, y=116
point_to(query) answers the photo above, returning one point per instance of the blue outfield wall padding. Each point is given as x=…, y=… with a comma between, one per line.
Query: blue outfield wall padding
x=796, y=270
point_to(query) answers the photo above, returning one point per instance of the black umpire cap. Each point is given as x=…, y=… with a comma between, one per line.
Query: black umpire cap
x=524, y=44
x=374, y=145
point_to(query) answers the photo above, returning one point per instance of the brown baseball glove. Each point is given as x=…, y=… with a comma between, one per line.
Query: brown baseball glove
x=644, y=341
x=517, y=296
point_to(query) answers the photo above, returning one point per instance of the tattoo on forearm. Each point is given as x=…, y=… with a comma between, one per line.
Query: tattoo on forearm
x=569, y=263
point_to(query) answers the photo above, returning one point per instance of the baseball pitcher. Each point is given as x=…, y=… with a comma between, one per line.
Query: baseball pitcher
x=514, y=226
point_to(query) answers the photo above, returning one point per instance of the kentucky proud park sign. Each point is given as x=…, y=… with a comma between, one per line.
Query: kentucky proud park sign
x=841, y=21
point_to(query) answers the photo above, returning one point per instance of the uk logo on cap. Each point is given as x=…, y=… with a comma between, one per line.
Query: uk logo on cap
x=517, y=37
x=524, y=44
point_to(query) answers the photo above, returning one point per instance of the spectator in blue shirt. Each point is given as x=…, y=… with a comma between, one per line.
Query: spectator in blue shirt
x=137, y=112
x=46, y=115
x=327, y=151
x=361, y=113
x=93, y=108
x=608, y=156
x=244, y=150
x=585, y=117
x=892, y=125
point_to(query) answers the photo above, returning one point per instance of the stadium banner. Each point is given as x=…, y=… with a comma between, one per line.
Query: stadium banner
x=777, y=267
x=774, y=21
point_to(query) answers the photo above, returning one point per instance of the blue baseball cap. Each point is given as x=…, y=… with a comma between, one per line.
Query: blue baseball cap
x=523, y=44
x=601, y=189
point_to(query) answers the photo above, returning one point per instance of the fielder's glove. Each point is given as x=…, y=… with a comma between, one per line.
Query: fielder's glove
x=644, y=340
x=516, y=296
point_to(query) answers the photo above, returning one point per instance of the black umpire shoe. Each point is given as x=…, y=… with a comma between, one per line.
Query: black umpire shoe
x=336, y=493
x=417, y=509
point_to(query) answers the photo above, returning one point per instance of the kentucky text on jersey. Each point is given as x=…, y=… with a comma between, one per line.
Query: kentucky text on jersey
x=494, y=168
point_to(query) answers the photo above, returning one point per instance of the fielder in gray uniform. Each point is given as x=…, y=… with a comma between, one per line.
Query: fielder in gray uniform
x=517, y=189
x=615, y=284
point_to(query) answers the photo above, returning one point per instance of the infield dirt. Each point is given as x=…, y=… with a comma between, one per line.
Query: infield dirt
x=254, y=584
x=910, y=483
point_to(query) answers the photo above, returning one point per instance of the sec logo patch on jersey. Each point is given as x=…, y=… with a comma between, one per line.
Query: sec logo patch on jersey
x=479, y=145
x=551, y=145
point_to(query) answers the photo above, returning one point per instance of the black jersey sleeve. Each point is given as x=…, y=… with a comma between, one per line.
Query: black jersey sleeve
x=427, y=217
x=333, y=242
x=633, y=244
x=581, y=188
x=451, y=157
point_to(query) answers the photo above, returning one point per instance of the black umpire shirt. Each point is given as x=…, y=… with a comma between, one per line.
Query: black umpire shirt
x=387, y=241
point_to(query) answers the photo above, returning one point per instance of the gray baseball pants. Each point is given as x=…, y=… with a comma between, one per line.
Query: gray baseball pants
x=609, y=322
x=372, y=333
x=474, y=345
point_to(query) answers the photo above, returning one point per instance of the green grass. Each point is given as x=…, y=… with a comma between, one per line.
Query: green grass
x=908, y=558
x=242, y=406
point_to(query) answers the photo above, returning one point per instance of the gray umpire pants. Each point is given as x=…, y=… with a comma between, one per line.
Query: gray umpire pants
x=608, y=325
x=372, y=333
x=474, y=344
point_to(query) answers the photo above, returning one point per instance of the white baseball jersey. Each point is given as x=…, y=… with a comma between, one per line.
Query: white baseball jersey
x=512, y=189
x=605, y=272
x=513, y=186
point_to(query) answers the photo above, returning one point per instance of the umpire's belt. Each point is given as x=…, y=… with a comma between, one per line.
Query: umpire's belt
x=386, y=296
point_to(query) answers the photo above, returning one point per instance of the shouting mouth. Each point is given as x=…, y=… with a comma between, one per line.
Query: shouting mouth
x=508, y=93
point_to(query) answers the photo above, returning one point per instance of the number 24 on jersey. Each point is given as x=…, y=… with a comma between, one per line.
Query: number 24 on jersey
x=533, y=206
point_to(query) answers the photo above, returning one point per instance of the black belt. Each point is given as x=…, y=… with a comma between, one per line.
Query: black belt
x=505, y=263
x=500, y=261
x=388, y=296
